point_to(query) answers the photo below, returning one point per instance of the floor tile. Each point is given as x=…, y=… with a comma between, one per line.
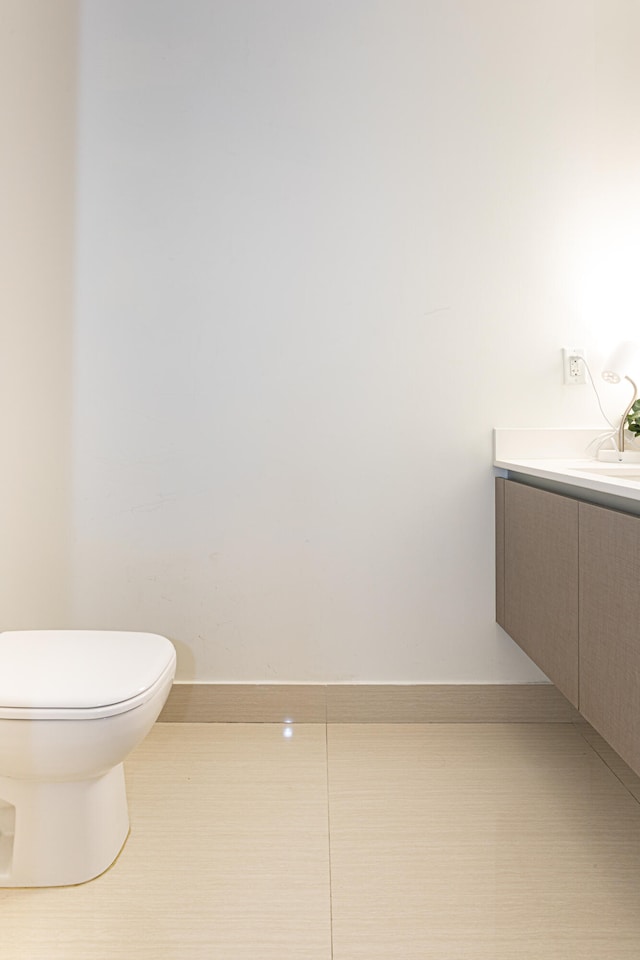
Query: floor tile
x=455, y=842
x=480, y=842
x=227, y=857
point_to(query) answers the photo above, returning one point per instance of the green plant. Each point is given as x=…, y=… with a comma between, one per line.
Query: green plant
x=633, y=419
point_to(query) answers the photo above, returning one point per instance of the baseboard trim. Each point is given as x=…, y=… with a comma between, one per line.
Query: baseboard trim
x=366, y=703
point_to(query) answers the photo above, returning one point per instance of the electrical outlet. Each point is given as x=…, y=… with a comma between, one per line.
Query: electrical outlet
x=575, y=372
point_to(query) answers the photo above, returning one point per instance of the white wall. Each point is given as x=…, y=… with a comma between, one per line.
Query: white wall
x=322, y=249
x=38, y=42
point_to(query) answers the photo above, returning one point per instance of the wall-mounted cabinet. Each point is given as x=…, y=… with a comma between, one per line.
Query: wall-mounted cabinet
x=540, y=608
x=568, y=592
x=610, y=627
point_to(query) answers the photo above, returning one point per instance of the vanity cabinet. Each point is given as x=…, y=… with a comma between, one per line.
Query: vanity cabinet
x=568, y=592
x=537, y=557
x=610, y=627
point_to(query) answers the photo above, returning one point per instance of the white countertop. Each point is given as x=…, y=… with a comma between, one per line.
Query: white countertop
x=576, y=473
x=575, y=469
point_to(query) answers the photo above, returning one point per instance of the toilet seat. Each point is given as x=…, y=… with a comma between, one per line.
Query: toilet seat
x=79, y=674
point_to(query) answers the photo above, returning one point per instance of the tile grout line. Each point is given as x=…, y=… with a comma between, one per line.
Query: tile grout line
x=326, y=740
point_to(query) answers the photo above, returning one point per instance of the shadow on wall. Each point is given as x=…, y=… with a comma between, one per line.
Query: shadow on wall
x=186, y=669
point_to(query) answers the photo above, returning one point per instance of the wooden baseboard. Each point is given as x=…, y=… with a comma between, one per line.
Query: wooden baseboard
x=366, y=703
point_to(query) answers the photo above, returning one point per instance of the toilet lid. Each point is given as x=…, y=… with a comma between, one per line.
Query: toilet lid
x=76, y=669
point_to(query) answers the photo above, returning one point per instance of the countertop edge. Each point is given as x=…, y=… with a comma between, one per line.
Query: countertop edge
x=568, y=473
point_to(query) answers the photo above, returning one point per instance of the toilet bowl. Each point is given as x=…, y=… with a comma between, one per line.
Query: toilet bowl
x=73, y=704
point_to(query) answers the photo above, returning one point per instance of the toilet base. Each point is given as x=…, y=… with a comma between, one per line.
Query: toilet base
x=57, y=834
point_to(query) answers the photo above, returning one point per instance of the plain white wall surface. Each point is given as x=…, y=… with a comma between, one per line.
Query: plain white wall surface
x=38, y=45
x=322, y=249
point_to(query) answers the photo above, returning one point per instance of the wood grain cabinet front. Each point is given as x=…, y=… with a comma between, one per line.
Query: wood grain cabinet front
x=537, y=578
x=610, y=627
x=568, y=592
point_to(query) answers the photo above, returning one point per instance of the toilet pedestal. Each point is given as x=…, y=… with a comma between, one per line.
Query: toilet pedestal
x=54, y=834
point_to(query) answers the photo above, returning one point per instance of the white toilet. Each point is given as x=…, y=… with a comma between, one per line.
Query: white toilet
x=73, y=704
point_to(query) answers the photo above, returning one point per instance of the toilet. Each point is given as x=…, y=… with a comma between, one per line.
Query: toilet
x=73, y=705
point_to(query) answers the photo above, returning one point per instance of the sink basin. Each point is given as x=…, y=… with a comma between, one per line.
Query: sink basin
x=617, y=471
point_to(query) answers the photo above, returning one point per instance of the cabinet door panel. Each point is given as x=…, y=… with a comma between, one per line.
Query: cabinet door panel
x=541, y=581
x=500, y=487
x=610, y=627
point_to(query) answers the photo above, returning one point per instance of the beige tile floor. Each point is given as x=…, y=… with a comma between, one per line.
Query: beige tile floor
x=402, y=842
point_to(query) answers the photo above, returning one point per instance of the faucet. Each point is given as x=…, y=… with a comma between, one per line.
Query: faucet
x=622, y=359
x=620, y=443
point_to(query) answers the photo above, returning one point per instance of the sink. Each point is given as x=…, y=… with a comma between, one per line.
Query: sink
x=616, y=471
